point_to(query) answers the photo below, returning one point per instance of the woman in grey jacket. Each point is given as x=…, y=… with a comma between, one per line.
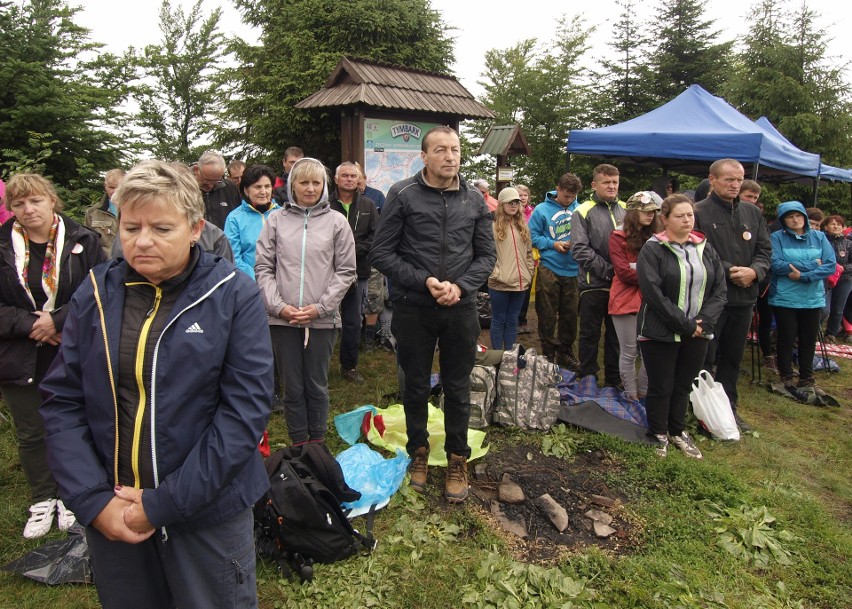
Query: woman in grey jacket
x=305, y=263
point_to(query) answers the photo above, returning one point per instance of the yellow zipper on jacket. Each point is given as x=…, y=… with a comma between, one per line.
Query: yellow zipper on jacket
x=109, y=371
x=138, y=367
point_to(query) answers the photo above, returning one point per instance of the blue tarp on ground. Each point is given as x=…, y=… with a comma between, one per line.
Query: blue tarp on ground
x=695, y=126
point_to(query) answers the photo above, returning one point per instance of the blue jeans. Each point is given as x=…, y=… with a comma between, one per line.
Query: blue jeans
x=505, y=308
x=835, y=302
x=350, y=336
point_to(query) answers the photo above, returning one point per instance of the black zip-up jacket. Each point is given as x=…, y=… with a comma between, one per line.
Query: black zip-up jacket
x=738, y=234
x=19, y=355
x=427, y=232
x=363, y=220
x=661, y=272
x=219, y=202
x=842, y=245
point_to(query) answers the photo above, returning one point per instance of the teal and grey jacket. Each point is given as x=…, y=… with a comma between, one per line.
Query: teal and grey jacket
x=811, y=253
x=680, y=283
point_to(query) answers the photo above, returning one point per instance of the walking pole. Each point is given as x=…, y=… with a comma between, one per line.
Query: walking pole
x=823, y=350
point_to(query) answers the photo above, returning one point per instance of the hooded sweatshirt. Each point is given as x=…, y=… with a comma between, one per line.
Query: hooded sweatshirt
x=550, y=222
x=304, y=256
x=810, y=253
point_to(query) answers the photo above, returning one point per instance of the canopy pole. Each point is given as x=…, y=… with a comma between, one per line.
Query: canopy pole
x=754, y=172
x=816, y=192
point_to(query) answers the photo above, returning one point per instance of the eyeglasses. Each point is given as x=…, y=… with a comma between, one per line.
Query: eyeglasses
x=512, y=203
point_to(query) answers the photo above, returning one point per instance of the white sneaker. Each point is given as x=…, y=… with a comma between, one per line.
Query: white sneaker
x=687, y=445
x=64, y=517
x=41, y=519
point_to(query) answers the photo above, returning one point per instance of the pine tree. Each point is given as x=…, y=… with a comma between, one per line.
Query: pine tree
x=59, y=99
x=688, y=52
x=629, y=90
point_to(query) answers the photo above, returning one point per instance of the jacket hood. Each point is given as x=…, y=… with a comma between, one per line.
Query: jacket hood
x=323, y=196
x=249, y=207
x=791, y=206
x=695, y=237
x=550, y=197
x=788, y=206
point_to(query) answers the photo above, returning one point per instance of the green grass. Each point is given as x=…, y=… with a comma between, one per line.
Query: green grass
x=431, y=555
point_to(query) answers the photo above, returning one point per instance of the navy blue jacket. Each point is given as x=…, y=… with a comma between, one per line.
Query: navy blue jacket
x=210, y=398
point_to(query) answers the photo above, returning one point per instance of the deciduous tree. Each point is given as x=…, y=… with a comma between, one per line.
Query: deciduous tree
x=540, y=85
x=180, y=98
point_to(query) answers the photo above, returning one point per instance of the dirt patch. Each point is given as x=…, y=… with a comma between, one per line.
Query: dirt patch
x=576, y=485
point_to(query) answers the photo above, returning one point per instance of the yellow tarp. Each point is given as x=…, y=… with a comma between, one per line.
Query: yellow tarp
x=395, y=437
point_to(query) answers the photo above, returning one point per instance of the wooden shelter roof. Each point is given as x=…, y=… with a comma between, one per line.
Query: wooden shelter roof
x=390, y=87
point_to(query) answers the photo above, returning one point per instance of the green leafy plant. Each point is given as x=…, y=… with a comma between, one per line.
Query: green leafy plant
x=423, y=535
x=675, y=593
x=751, y=534
x=559, y=443
x=779, y=598
x=782, y=488
x=504, y=584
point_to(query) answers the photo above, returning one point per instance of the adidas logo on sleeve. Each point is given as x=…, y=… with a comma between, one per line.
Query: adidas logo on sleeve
x=194, y=329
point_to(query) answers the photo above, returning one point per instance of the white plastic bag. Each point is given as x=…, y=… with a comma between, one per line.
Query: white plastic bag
x=711, y=406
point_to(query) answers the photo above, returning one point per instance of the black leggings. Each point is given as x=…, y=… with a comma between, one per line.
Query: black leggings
x=671, y=368
x=804, y=325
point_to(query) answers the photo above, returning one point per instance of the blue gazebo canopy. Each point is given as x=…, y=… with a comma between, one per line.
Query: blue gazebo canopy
x=691, y=131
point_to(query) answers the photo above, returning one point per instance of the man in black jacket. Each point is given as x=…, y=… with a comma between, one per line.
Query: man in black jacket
x=363, y=220
x=220, y=196
x=435, y=243
x=737, y=231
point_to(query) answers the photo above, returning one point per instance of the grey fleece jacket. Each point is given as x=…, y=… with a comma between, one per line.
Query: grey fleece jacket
x=305, y=256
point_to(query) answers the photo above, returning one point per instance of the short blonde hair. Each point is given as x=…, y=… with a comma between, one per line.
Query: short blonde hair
x=114, y=174
x=311, y=169
x=159, y=181
x=23, y=185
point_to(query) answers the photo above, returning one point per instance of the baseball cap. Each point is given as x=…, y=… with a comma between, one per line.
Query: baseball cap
x=644, y=200
x=509, y=194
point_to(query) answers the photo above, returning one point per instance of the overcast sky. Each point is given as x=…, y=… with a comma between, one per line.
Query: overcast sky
x=479, y=25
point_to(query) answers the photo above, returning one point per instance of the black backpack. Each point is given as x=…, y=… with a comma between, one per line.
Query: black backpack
x=300, y=520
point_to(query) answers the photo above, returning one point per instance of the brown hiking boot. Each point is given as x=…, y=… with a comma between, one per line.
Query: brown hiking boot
x=418, y=469
x=456, y=489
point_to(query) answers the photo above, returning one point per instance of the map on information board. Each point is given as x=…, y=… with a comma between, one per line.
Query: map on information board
x=392, y=150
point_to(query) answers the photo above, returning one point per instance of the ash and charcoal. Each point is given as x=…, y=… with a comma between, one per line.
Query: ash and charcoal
x=546, y=506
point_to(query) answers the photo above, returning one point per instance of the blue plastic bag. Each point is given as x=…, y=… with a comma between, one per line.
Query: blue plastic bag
x=348, y=424
x=376, y=478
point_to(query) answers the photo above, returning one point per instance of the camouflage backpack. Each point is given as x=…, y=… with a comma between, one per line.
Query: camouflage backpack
x=527, y=396
x=483, y=394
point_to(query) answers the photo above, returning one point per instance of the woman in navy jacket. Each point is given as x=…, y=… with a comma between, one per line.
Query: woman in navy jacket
x=155, y=405
x=683, y=293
